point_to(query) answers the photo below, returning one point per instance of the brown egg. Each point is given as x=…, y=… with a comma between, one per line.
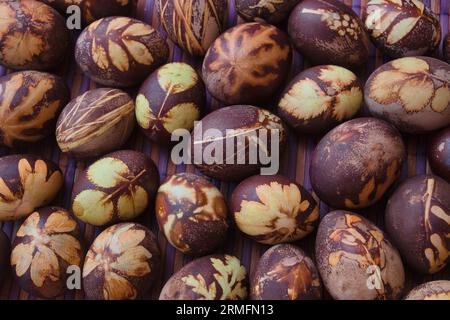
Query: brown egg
x=120, y=51
x=47, y=243
x=418, y=222
x=96, y=122
x=272, y=209
x=5, y=251
x=446, y=48
x=355, y=163
x=32, y=35
x=193, y=24
x=319, y=98
x=192, y=213
x=117, y=187
x=413, y=93
x=121, y=264
x=284, y=272
x=355, y=259
x=26, y=183
x=30, y=102
x=439, y=153
x=329, y=32
x=247, y=64
x=433, y=290
x=270, y=11
x=215, y=277
x=402, y=28
x=172, y=98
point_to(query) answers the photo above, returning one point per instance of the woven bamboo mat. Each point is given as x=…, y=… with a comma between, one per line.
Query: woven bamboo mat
x=295, y=163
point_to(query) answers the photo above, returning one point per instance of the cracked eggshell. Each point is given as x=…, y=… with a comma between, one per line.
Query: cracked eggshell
x=193, y=24
x=319, y=98
x=215, y=277
x=120, y=51
x=270, y=11
x=223, y=127
x=117, y=187
x=171, y=98
x=273, y=209
x=433, y=290
x=285, y=272
x=26, y=183
x=329, y=32
x=96, y=122
x=30, y=102
x=192, y=213
x=355, y=163
x=439, y=153
x=446, y=48
x=247, y=64
x=402, y=28
x=413, y=93
x=46, y=244
x=122, y=263
x=355, y=259
x=418, y=222
x=33, y=35
x=5, y=251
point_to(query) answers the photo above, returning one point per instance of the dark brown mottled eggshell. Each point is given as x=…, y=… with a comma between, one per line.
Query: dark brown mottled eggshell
x=192, y=213
x=439, y=153
x=120, y=51
x=5, y=251
x=355, y=163
x=329, y=32
x=433, y=290
x=417, y=220
x=278, y=274
x=215, y=277
x=271, y=11
x=356, y=261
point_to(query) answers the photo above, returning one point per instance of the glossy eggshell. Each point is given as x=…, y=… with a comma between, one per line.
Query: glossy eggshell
x=171, y=98
x=319, y=98
x=24, y=119
x=247, y=64
x=27, y=182
x=271, y=11
x=117, y=187
x=329, y=32
x=215, y=277
x=47, y=243
x=278, y=273
x=433, y=290
x=96, y=122
x=446, y=48
x=272, y=209
x=413, y=93
x=355, y=163
x=439, y=153
x=417, y=220
x=193, y=24
x=120, y=51
x=192, y=213
x=122, y=263
x=351, y=253
x=402, y=28
x=33, y=35
x=220, y=127
x=5, y=249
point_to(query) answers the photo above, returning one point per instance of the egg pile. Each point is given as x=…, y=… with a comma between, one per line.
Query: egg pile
x=141, y=91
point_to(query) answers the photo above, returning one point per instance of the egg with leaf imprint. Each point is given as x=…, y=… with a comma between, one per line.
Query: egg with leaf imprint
x=402, y=28
x=32, y=35
x=319, y=98
x=270, y=11
x=171, y=98
x=355, y=259
x=117, y=187
x=285, y=272
x=47, y=243
x=5, y=250
x=30, y=102
x=26, y=183
x=120, y=51
x=122, y=263
x=438, y=153
x=273, y=209
x=413, y=93
x=433, y=290
x=192, y=213
x=215, y=277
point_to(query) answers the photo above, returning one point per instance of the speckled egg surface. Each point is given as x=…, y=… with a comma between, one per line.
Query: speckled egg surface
x=433, y=290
